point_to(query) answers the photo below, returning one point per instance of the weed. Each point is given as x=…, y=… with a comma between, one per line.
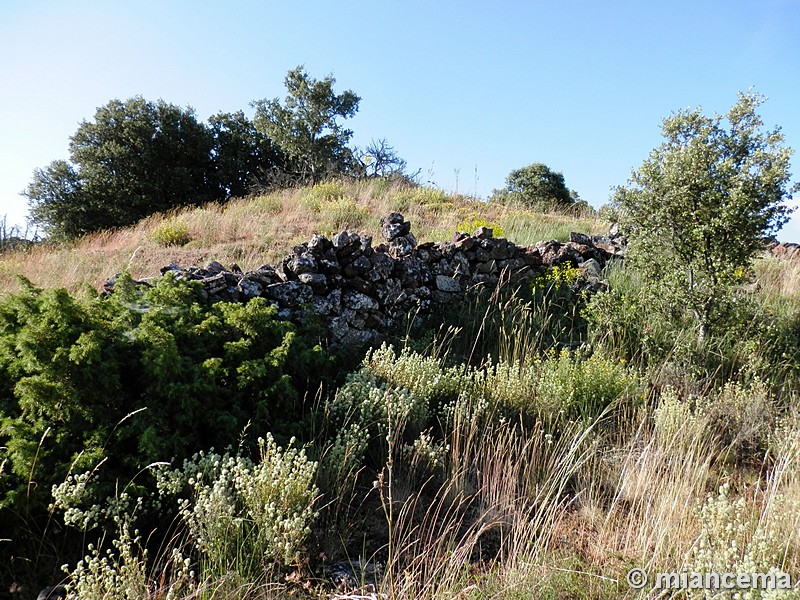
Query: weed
x=171, y=233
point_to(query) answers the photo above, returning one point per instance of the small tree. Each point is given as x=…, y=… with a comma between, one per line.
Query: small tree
x=380, y=159
x=698, y=209
x=306, y=127
x=535, y=186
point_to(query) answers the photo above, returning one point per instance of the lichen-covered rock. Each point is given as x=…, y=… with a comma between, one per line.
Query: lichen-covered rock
x=447, y=284
x=394, y=226
x=214, y=267
x=359, y=302
x=303, y=263
x=215, y=283
x=249, y=288
x=317, y=281
x=289, y=293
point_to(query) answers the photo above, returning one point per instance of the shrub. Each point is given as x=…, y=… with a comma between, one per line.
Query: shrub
x=316, y=196
x=138, y=378
x=583, y=387
x=735, y=539
x=120, y=572
x=428, y=199
x=470, y=225
x=425, y=376
x=742, y=416
x=270, y=204
x=171, y=232
x=344, y=213
x=244, y=518
x=677, y=426
x=247, y=517
x=710, y=182
x=371, y=402
x=625, y=322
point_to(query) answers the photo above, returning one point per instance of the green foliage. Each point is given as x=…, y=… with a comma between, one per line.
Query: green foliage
x=583, y=387
x=60, y=204
x=624, y=323
x=470, y=225
x=429, y=199
x=270, y=204
x=305, y=126
x=410, y=389
x=134, y=159
x=534, y=186
x=118, y=573
x=631, y=322
x=344, y=213
x=698, y=209
x=61, y=366
x=336, y=210
x=244, y=518
x=557, y=277
x=138, y=157
x=741, y=417
x=676, y=424
x=244, y=158
x=137, y=378
x=171, y=232
x=322, y=193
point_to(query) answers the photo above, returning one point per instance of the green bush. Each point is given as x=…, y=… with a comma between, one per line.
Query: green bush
x=344, y=213
x=171, y=232
x=676, y=424
x=429, y=199
x=318, y=195
x=140, y=377
x=583, y=387
x=270, y=204
x=759, y=340
x=742, y=417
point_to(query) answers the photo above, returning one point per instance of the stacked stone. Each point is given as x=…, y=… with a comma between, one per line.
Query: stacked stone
x=362, y=292
x=786, y=250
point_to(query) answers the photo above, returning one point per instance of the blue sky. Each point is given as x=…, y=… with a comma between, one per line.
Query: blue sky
x=465, y=91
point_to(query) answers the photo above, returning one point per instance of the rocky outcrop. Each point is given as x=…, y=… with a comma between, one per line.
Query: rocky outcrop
x=363, y=291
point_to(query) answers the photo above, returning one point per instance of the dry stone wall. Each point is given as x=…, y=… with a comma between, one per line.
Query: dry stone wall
x=785, y=250
x=363, y=291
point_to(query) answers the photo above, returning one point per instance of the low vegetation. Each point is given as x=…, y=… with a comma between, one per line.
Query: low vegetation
x=538, y=443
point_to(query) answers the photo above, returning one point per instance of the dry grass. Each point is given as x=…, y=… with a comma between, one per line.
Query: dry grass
x=779, y=278
x=258, y=230
x=657, y=485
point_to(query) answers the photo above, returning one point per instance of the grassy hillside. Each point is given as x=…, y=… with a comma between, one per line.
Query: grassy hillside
x=260, y=230
x=536, y=444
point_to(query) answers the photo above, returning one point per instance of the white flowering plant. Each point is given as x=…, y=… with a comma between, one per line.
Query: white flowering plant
x=246, y=517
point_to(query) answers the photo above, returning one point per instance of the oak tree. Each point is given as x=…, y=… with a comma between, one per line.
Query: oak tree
x=306, y=125
x=698, y=209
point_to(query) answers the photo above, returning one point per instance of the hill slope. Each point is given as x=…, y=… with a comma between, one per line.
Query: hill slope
x=258, y=230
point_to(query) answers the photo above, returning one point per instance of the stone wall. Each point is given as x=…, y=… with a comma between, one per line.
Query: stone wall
x=363, y=291
x=785, y=250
